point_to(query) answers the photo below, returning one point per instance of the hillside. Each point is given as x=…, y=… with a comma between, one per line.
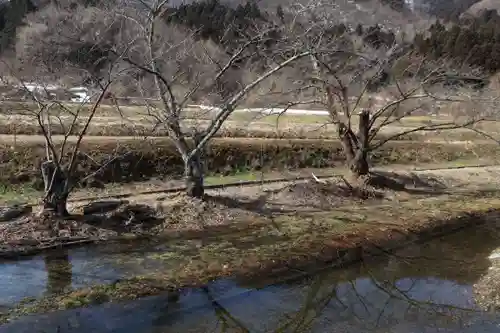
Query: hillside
x=368, y=23
x=483, y=5
x=449, y=10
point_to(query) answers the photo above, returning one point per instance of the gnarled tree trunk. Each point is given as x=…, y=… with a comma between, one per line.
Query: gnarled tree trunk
x=194, y=178
x=56, y=195
x=359, y=164
x=357, y=148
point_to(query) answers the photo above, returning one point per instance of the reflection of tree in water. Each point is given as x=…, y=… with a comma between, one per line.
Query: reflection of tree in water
x=423, y=286
x=59, y=271
x=228, y=322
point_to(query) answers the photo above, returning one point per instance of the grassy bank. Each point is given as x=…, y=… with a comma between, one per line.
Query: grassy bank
x=136, y=160
x=27, y=193
x=290, y=244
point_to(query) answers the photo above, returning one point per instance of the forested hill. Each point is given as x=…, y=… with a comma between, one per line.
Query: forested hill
x=472, y=40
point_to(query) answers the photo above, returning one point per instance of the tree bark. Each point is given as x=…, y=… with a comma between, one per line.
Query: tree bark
x=359, y=164
x=194, y=170
x=357, y=147
x=56, y=196
x=194, y=178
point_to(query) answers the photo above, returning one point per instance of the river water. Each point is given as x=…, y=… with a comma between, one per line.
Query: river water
x=423, y=288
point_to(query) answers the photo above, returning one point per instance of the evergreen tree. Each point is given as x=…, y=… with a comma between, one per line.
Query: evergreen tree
x=359, y=30
x=280, y=13
x=13, y=16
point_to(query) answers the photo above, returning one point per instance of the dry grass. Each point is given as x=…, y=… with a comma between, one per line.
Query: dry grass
x=139, y=160
x=134, y=121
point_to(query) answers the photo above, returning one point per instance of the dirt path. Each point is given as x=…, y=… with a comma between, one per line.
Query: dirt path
x=6, y=138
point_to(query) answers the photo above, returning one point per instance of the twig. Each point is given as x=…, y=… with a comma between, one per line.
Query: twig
x=317, y=179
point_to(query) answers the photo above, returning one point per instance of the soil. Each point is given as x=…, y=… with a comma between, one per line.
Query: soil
x=160, y=214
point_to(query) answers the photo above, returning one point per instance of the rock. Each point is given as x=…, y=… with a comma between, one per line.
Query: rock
x=100, y=207
x=8, y=214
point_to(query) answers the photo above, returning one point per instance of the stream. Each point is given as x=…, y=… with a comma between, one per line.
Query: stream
x=422, y=288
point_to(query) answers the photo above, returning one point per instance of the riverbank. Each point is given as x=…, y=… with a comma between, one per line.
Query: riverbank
x=287, y=236
x=154, y=212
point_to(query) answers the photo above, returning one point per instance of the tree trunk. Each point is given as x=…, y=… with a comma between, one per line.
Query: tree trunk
x=56, y=195
x=193, y=173
x=359, y=163
x=356, y=148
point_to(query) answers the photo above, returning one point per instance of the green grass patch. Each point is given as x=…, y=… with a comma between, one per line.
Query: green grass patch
x=18, y=194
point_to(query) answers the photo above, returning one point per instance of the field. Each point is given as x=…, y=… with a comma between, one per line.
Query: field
x=251, y=143
x=133, y=121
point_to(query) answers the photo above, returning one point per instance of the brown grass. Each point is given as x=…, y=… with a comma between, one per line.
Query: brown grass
x=134, y=121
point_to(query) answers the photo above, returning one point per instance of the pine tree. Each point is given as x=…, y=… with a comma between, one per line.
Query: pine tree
x=13, y=18
x=280, y=13
x=359, y=30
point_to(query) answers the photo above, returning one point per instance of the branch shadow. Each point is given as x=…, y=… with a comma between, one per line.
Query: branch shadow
x=410, y=183
x=260, y=205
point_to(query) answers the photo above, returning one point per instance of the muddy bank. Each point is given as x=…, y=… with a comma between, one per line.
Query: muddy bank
x=302, y=208
x=266, y=232
x=295, y=253
x=487, y=288
x=164, y=215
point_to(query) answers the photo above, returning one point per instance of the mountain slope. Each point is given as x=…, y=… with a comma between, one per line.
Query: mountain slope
x=483, y=5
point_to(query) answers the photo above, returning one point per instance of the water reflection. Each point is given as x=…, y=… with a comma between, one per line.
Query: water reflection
x=59, y=271
x=424, y=288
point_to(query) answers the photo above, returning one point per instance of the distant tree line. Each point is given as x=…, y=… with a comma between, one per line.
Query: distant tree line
x=215, y=20
x=12, y=14
x=474, y=41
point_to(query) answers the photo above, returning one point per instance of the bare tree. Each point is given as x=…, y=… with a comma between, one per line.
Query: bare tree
x=177, y=67
x=59, y=170
x=378, y=113
x=367, y=90
x=166, y=62
x=47, y=110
